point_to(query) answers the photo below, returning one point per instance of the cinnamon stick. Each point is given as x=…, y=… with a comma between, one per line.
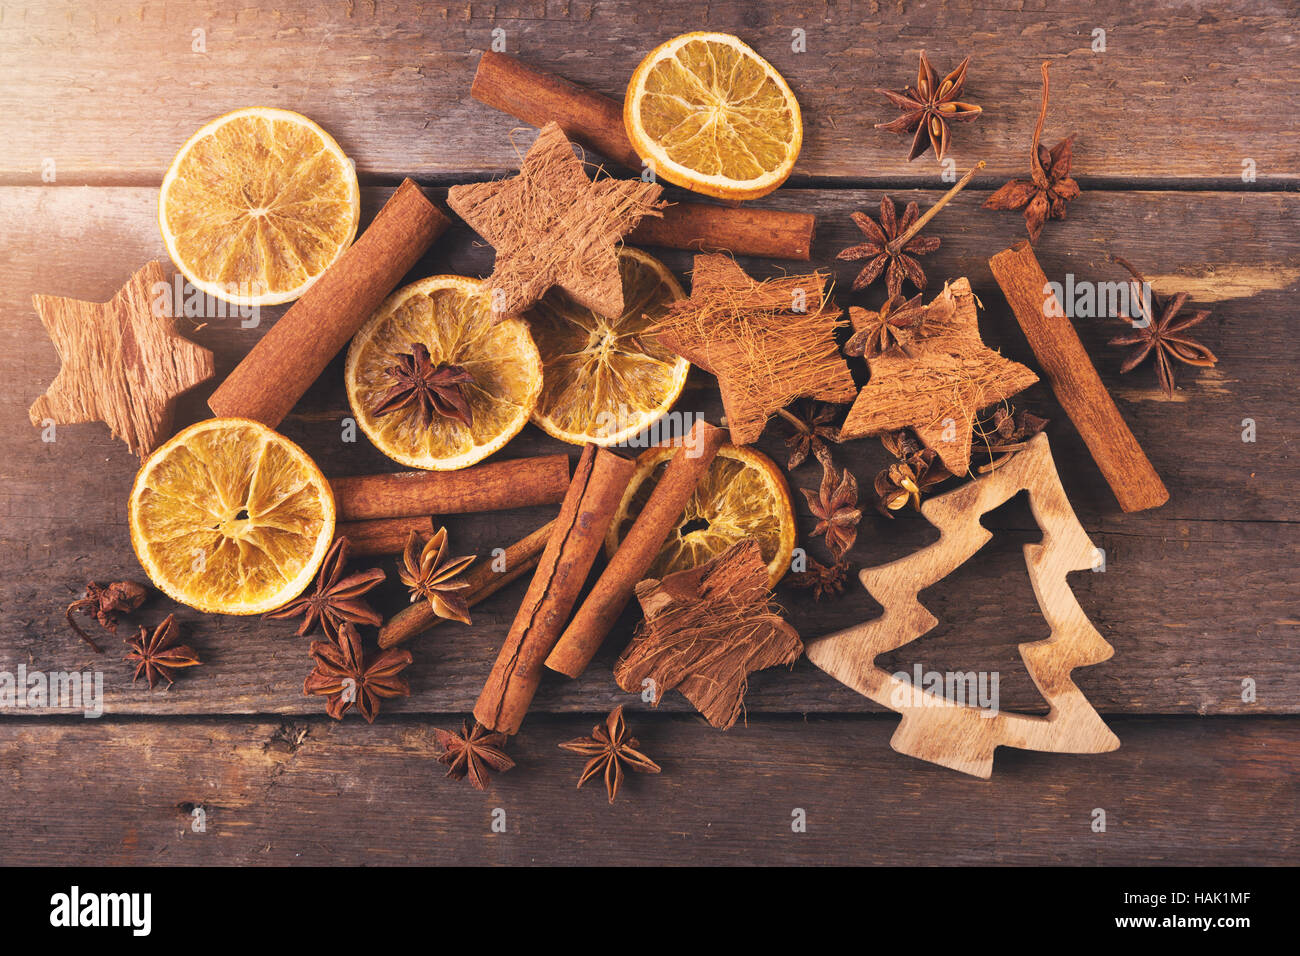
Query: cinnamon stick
x=1075, y=381
x=596, y=121
x=598, y=483
x=484, y=579
x=383, y=535
x=280, y=368
x=704, y=227
x=494, y=486
x=613, y=589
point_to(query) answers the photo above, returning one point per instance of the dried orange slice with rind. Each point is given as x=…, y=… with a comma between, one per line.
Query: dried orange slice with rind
x=452, y=317
x=604, y=379
x=230, y=517
x=257, y=205
x=709, y=114
x=742, y=495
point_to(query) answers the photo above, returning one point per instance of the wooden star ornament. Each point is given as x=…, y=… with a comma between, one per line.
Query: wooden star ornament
x=767, y=342
x=939, y=382
x=124, y=363
x=552, y=226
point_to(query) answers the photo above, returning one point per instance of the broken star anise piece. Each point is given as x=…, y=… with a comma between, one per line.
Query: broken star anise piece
x=878, y=250
x=823, y=580
x=881, y=331
x=105, y=603
x=930, y=107
x=812, y=429
x=432, y=575
x=1049, y=187
x=1005, y=432
x=609, y=748
x=1162, y=335
x=336, y=598
x=835, y=506
x=346, y=675
x=472, y=753
x=429, y=389
x=156, y=655
x=904, y=481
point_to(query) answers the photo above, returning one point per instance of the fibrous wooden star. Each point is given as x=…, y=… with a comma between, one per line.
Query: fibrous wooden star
x=123, y=362
x=767, y=342
x=939, y=388
x=552, y=226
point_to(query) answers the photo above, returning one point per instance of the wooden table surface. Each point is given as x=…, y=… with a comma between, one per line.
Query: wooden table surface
x=1198, y=597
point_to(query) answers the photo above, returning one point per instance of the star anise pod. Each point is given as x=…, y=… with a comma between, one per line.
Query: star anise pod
x=106, y=603
x=812, y=429
x=609, y=748
x=881, y=331
x=431, y=574
x=930, y=107
x=823, y=580
x=904, y=481
x=1049, y=187
x=426, y=387
x=902, y=444
x=472, y=753
x=156, y=655
x=1162, y=336
x=835, y=506
x=336, y=598
x=877, y=249
x=1006, y=432
x=347, y=675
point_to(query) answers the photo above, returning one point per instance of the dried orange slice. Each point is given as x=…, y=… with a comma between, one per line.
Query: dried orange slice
x=257, y=205
x=710, y=114
x=742, y=495
x=450, y=316
x=231, y=517
x=603, y=379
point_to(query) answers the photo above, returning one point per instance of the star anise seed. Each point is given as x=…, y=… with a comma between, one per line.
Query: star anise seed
x=930, y=107
x=346, y=675
x=834, y=506
x=156, y=655
x=1162, y=336
x=431, y=574
x=1049, y=187
x=905, y=481
x=472, y=752
x=889, y=328
x=609, y=748
x=876, y=248
x=430, y=389
x=336, y=598
x=105, y=603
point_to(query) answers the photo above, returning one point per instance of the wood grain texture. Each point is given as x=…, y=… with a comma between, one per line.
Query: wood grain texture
x=959, y=732
x=1197, y=792
x=391, y=80
x=1197, y=597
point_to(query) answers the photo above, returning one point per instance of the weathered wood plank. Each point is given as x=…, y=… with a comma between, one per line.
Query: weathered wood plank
x=1179, y=790
x=108, y=91
x=1197, y=596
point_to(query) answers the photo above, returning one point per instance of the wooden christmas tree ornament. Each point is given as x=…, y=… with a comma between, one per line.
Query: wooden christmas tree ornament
x=767, y=342
x=552, y=226
x=956, y=735
x=123, y=362
x=937, y=383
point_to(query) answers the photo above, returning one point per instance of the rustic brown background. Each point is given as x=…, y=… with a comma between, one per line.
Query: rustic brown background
x=1197, y=597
